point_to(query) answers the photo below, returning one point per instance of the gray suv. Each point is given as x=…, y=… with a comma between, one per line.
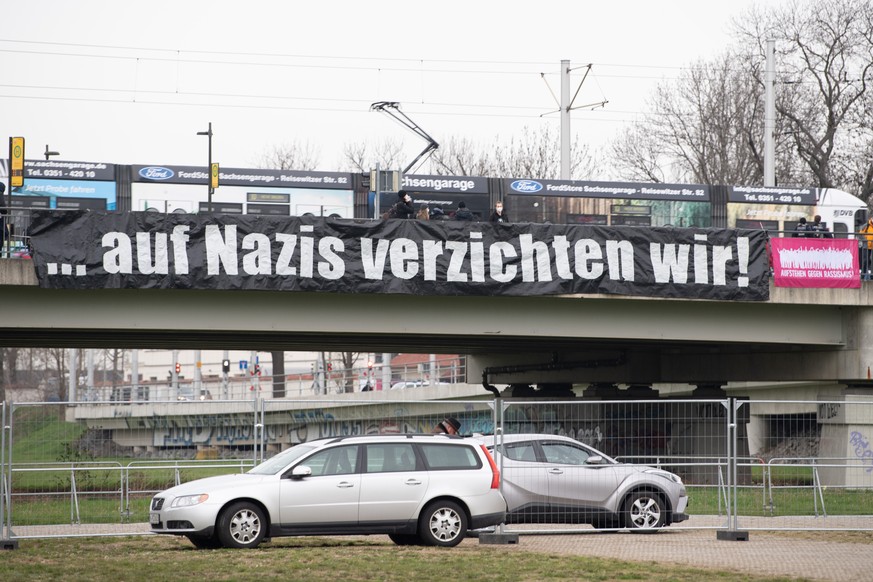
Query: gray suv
x=556, y=479
x=418, y=489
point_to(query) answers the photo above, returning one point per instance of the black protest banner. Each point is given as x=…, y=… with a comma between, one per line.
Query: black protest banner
x=91, y=250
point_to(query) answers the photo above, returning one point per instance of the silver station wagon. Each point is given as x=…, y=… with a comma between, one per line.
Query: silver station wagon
x=556, y=479
x=418, y=489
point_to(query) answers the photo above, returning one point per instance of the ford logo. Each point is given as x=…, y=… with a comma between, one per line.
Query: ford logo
x=156, y=173
x=526, y=186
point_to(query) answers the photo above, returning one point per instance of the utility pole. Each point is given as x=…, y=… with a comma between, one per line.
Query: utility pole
x=377, y=205
x=565, y=120
x=209, y=181
x=565, y=106
x=770, y=117
x=134, y=376
x=73, y=375
x=224, y=372
x=174, y=375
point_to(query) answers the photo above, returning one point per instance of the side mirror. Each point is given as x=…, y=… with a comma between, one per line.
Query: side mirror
x=594, y=460
x=301, y=471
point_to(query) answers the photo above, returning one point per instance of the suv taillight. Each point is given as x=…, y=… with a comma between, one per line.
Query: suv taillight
x=495, y=472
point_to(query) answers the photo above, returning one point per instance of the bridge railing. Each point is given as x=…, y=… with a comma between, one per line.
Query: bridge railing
x=443, y=370
x=15, y=228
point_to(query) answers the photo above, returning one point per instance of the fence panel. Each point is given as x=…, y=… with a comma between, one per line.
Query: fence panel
x=666, y=449
x=91, y=468
x=87, y=469
x=814, y=461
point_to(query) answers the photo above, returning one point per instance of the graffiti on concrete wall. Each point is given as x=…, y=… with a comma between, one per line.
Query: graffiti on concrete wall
x=862, y=449
x=304, y=426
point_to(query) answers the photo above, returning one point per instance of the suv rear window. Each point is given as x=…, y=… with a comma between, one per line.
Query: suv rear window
x=450, y=457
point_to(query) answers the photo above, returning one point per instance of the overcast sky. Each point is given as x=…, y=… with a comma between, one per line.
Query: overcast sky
x=133, y=81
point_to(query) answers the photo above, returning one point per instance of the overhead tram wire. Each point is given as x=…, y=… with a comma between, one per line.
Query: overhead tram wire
x=353, y=57
x=517, y=108
x=418, y=61
x=262, y=106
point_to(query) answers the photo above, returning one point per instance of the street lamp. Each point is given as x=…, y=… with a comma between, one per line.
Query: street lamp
x=208, y=167
x=49, y=153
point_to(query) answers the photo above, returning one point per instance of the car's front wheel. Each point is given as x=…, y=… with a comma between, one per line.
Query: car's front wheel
x=442, y=523
x=241, y=525
x=644, y=512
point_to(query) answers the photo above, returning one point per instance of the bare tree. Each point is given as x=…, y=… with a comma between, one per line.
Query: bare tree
x=116, y=360
x=348, y=360
x=636, y=156
x=461, y=157
x=705, y=127
x=363, y=157
x=294, y=155
x=708, y=126
x=55, y=361
x=824, y=57
x=537, y=154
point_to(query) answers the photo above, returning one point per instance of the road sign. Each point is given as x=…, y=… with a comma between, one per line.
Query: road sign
x=16, y=155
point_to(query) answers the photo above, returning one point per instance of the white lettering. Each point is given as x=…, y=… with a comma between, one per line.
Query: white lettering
x=374, y=264
x=669, y=262
x=119, y=260
x=221, y=251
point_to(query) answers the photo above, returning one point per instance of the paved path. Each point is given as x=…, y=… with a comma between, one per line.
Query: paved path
x=764, y=553
x=810, y=555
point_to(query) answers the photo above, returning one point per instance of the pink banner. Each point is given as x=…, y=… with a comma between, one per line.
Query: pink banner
x=815, y=262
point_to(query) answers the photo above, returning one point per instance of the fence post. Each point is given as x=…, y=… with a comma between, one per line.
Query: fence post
x=499, y=536
x=732, y=533
x=260, y=414
x=5, y=481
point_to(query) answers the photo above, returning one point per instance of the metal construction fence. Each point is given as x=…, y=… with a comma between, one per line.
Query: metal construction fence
x=78, y=469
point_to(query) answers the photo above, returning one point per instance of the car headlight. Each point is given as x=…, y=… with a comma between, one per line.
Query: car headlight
x=666, y=475
x=189, y=500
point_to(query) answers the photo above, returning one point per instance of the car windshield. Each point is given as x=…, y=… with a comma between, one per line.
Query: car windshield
x=275, y=464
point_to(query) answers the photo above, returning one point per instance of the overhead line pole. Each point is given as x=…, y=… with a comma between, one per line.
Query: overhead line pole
x=565, y=120
x=565, y=106
x=770, y=117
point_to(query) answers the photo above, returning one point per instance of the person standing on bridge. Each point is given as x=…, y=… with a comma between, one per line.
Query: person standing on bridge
x=802, y=228
x=498, y=215
x=403, y=207
x=462, y=213
x=820, y=229
x=866, y=249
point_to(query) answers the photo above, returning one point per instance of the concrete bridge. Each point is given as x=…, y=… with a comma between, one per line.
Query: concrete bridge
x=799, y=335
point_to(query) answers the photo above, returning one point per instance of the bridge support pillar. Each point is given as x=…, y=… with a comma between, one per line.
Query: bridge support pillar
x=847, y=438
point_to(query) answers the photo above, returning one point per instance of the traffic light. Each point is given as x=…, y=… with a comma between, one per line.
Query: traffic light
x=178, y=367
x=330, y=367
x=225, y=366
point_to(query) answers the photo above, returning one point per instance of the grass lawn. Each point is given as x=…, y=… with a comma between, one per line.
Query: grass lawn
x=314, y=559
